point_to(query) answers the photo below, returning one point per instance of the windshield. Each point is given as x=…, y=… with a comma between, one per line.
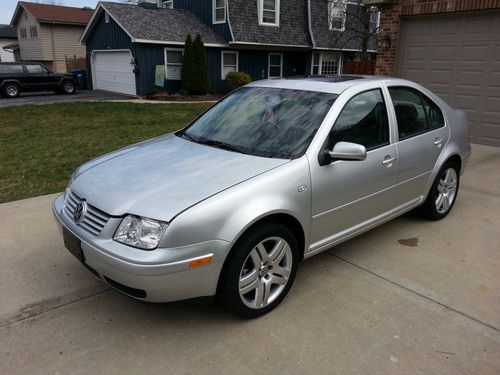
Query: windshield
x=269, y=122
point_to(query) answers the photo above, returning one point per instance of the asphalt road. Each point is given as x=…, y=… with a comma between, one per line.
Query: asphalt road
x=409, y=297
x=50, y=97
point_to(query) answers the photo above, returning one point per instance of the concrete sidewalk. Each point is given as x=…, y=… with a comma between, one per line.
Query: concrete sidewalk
x=411, y=296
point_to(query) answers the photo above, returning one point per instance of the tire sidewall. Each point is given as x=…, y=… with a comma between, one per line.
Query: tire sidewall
x=430, y=206
x=229, y=292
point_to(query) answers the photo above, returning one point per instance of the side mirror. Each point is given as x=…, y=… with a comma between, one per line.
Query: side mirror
x=347, y=151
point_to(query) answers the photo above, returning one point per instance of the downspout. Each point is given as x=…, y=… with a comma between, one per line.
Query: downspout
x=229, y=21
x=309, y=23
x=53, y=49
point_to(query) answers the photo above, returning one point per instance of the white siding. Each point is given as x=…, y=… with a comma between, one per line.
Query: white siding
x=4, y=55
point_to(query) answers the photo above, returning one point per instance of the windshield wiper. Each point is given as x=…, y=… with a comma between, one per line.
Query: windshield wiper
x=222, y=145
x=185, y=135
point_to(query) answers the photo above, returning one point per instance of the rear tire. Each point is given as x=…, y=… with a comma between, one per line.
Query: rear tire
x=260, y=270
x=11, y=90
x=443, y=193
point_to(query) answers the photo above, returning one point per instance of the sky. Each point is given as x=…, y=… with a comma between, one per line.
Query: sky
x=7, y=7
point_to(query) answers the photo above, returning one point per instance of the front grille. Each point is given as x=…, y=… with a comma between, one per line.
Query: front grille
x=94, y=219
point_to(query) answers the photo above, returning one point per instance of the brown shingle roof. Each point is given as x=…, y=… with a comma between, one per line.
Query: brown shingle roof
x=57, y=13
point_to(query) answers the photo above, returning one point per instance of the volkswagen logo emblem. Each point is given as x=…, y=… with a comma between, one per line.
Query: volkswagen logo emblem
x=80, y=210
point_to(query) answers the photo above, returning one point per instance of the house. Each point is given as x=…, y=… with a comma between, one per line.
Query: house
x=50, y=33
x=453, y=48
x=8, y=37
x=264, y=38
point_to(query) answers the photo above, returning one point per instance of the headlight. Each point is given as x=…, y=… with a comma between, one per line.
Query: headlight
x=140, y=232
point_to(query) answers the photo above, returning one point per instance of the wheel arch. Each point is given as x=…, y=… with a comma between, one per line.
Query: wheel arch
x=11, y=81
x=283, y=218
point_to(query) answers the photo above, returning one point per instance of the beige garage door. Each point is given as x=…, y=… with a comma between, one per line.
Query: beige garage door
x=457, y=57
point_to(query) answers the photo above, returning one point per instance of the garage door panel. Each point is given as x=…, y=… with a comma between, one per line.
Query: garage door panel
x=113, y=71
x=458, y=57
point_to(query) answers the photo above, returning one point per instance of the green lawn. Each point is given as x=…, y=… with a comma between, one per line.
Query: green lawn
x=40, y=146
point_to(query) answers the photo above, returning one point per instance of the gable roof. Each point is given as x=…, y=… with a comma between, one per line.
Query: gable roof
x=7, y=32
x=155, y=25
x=53, y=13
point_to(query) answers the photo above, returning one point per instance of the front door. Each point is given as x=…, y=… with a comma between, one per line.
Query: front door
x=348, y=194
x=39, y=78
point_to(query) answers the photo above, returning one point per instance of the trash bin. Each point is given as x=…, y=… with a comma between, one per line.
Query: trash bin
x=80, y=78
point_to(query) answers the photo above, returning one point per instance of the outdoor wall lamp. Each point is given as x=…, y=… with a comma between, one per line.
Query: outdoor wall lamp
x=385, y=42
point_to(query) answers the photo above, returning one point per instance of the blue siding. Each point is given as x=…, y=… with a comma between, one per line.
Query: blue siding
x=203, y=10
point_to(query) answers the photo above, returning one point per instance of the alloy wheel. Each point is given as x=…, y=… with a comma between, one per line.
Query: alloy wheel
x=265, y=272
x=12, y=91
x=447, y=190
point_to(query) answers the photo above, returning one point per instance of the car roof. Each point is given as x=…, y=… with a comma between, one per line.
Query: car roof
x=330, y=84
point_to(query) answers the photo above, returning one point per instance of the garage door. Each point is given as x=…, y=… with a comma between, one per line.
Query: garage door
x=457, y=57
x=112, y=71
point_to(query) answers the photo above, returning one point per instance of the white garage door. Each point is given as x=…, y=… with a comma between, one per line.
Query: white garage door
x=458, y=57
x=113, y=71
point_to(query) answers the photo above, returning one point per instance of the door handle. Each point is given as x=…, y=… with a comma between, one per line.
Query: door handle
x=438, y=142
x=388, y=160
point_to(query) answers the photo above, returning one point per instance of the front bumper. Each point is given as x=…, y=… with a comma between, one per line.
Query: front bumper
x=163, y=274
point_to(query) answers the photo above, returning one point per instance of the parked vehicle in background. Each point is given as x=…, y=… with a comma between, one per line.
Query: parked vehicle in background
x=276, y=172
x=16, y=78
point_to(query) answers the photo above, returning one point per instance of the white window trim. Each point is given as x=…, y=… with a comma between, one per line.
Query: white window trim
x=177, y=64
x=260, y=4
x=214, y=13
x=331, y=4
x=269, y=65
x=106, y=17
x=222, y=62
x=163, y=2
x=339, y=64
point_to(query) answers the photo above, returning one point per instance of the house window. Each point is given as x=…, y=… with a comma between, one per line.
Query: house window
x=173, y=63
x=22, y=32
x=337, y=14
x=167, y=4
x=326, y=63
x=275, y=65
x=229, y=62
x=374, y=20
x=269, y=12
x=106, y=17
x=219, y=11
x=33, y=31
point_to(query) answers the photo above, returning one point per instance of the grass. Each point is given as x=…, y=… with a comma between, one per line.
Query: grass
x=40, y=146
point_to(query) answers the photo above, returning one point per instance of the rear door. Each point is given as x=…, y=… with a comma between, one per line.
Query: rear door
x=422, y=135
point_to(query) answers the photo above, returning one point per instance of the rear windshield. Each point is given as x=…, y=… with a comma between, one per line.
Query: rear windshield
x=11, y=69
x=268, y=122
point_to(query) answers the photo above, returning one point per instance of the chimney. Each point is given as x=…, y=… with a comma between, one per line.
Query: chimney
x=148, y=4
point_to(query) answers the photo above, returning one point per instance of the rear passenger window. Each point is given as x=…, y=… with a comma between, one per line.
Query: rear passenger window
x=11, y=69
x=416, y=114
x=363, y=120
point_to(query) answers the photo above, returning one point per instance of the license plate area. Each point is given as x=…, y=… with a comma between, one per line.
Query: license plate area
x=73, y=244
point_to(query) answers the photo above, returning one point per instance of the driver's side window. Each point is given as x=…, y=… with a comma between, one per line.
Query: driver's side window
x=363, y=120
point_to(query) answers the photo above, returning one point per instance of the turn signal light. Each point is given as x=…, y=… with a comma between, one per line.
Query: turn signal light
x=200, y=262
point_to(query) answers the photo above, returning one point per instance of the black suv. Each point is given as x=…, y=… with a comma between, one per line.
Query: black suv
x=18, y=77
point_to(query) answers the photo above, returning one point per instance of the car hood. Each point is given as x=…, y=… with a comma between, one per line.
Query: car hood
x=163, y=177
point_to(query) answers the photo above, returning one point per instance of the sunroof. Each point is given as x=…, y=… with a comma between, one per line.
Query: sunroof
x=333, y=78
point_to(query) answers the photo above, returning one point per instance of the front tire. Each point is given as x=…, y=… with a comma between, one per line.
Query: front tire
x=68, y=87
x=443, y=192
x=11, y=90
x=260, y=271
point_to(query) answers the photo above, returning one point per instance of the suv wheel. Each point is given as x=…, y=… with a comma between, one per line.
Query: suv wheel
x=443, y=193
x=260, y=270
x=11, y=90
x=68, y=87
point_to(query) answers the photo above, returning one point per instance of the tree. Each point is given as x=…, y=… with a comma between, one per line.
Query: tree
x=201, y=68
x=188, y=66
x=361, y=24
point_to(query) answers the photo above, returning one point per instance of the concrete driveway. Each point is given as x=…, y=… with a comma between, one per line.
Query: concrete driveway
x=50, y=97
x=408, y=297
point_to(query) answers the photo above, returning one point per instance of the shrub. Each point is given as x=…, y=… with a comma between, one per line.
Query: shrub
x=188, y=65
x=201, y=84
x=235, y=80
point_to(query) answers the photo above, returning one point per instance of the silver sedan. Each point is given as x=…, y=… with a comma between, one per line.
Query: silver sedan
x=274, y=173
